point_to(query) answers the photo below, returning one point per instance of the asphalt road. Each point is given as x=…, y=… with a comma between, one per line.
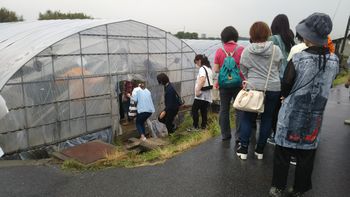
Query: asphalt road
x=211, y=169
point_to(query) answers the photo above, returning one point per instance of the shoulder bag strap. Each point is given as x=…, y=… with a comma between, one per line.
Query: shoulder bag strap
x=310, y=80
x=207, y=75
x=268, y=75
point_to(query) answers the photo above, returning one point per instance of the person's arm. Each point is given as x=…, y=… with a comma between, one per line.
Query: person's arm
x=134, y=97
x=288, y=79
x=216, y=68
x=244, y=71
x=201, y=83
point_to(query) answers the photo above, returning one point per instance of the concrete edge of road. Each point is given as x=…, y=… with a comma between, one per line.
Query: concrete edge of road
x=12, y=163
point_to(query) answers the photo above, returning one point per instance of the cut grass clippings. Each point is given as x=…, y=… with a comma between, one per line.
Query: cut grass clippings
x=179, y=142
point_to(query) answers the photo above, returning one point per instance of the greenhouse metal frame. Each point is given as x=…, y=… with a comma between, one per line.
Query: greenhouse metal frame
x=60, y=78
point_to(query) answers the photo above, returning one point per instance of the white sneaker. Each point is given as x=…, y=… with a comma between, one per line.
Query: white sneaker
x=143, y=138
x=258, y=155
x=242, y=152
x=259, y=152
x=347, y=121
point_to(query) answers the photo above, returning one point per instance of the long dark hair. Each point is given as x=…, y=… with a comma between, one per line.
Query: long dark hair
x=280, y=26
x=204, y=60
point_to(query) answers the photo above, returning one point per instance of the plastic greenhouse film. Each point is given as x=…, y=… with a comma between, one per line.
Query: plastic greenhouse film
x=1, y=152
x=3, y=108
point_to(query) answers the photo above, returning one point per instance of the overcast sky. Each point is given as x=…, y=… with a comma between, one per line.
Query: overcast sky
x=201, y=16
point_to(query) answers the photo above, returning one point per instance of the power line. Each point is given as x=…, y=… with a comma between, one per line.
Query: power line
x=336, y=9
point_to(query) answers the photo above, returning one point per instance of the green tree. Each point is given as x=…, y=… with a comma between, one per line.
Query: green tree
x=9, y=16
x=186, y=35
x=50, y=15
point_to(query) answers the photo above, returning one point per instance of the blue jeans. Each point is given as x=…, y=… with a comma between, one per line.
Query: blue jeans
x=271, y=101
x=226, y=96
x=140, y=121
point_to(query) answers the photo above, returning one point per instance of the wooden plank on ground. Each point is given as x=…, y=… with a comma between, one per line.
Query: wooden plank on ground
x=132, y=145
x=149, y=144
x=60, y=156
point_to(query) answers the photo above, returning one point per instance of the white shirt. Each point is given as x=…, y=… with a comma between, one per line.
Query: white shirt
x=206, y=95
x=296, y=49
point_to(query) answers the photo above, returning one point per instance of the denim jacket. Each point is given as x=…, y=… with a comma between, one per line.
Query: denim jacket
x=310, y=77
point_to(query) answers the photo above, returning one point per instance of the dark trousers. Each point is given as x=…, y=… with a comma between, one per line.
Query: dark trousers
x=121, y=110
x=126, y=105
x=140, y=122
x=271, y=100
x=200, y=105
x=275, y=117
x=168, y=119
x=303, y=171
x=226, y=96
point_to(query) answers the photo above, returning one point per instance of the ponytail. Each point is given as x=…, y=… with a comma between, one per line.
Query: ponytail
x=204, y=60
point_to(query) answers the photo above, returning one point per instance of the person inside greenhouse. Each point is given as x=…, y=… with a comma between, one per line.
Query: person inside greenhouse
x=133, y=105
x=229, y=37
x=145, y=108
x=202, y=99
x=305, y=89
x=127, y=89
x=171, y=101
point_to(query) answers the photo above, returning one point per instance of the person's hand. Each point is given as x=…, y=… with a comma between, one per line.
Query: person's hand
x=162, y=114
x=244, y=85
x=282, y=99
x=128, y=95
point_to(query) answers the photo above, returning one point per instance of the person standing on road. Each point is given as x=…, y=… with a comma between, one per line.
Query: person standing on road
x=229, y=37
x=306, y=85
x=283, y=37
x=260, y=64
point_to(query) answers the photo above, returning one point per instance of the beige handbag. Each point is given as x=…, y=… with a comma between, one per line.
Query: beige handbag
x=252, y=100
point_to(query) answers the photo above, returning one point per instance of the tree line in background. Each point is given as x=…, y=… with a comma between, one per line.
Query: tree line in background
x=50, y=15
x=192, y=35
x=11, y=16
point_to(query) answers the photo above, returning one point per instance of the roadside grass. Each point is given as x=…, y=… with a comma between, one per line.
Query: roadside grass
x=179, y=142
x=341, y=78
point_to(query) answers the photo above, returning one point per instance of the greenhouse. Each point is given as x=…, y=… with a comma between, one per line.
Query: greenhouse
x=209, y=47
x=60, y=79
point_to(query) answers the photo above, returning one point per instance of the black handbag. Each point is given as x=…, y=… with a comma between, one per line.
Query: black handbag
x=209, y=87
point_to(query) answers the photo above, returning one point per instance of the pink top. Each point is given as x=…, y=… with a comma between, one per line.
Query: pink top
x=229, y=48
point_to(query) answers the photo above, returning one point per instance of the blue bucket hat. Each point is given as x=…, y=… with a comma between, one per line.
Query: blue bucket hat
x=315, y=28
